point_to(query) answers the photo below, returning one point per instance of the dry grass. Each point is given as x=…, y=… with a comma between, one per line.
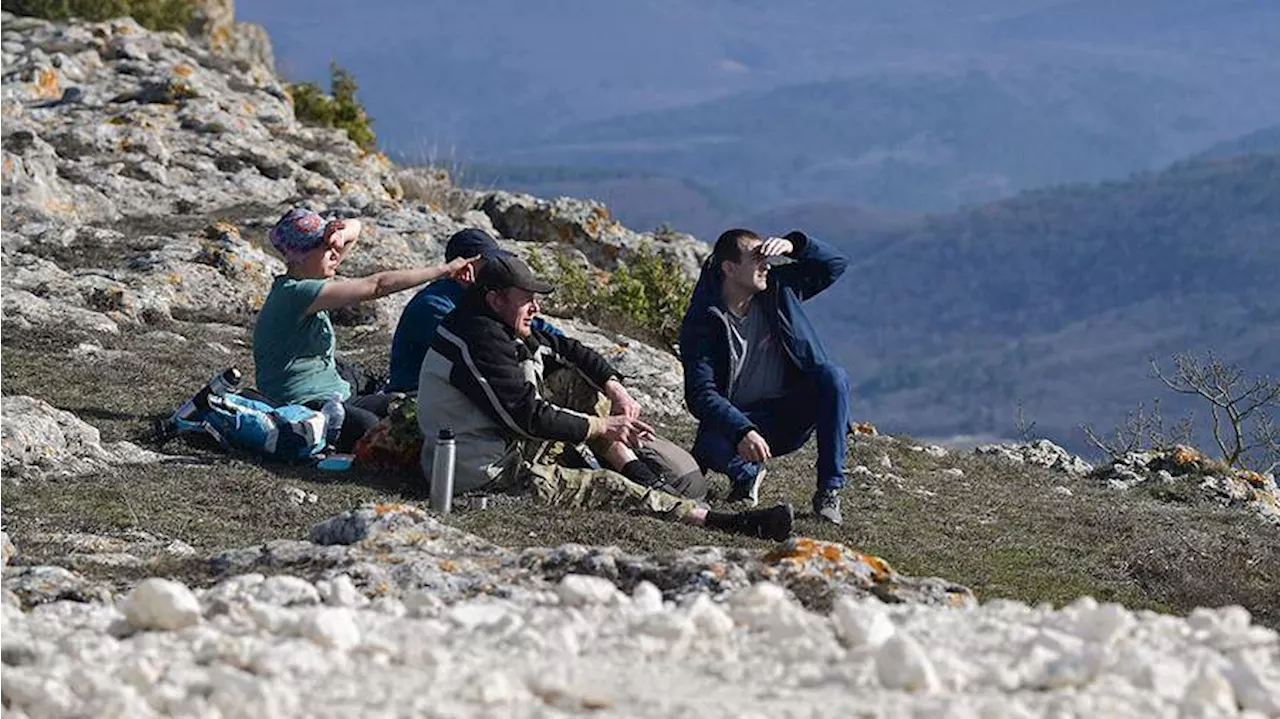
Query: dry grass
x=435, y=188
x=1004, y=531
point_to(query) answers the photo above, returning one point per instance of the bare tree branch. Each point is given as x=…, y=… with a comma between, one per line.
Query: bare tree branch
x=1020, y=423
x=1232, y=404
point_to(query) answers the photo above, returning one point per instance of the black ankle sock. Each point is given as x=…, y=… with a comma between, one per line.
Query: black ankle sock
x=640, y=473
x=724, y=521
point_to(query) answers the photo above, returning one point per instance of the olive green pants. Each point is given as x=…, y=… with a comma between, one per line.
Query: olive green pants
x=602, y=489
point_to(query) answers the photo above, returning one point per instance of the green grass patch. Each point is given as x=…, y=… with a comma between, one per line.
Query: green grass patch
x=1005, y=531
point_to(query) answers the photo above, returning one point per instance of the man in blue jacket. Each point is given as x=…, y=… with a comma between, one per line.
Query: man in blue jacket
x=421, y=317
x=755, y=373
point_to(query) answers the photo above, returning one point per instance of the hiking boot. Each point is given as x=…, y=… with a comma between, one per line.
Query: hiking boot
x=826, y=506
x=747, y=491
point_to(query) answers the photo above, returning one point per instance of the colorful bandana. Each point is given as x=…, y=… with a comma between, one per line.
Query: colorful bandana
x=297, y=233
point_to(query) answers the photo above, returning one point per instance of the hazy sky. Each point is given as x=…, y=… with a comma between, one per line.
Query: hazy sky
x=484, y=72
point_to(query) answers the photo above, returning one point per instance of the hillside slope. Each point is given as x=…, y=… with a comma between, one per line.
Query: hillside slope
x=907, y=141
x=1058, y=297
x=1266, y=139
x=911, y=105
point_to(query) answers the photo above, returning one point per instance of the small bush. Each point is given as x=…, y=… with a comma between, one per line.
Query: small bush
x=151, y=14
x=645, y=298
x=340, y=109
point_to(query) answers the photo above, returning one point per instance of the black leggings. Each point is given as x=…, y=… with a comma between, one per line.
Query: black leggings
x=361, y=414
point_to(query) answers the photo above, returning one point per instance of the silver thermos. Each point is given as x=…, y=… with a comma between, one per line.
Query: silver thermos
x=442, y=472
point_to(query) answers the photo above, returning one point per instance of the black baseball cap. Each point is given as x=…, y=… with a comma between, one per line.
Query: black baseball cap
x=473, y=242
x=507, y=270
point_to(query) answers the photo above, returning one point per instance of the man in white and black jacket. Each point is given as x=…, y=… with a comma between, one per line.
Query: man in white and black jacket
x=483, y=379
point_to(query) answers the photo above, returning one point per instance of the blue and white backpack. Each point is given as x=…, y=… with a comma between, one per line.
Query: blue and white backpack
x=290, y=432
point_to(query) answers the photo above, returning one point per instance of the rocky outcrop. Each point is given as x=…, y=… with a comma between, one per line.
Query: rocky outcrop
x=586, y=226
x=40, y=439
x=1041, y=453
x=214, y=275
x=213, y=23
x=107, y=121
x=1172, y=469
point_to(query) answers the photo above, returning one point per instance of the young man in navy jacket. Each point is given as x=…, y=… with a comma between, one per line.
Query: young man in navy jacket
x=755, y=373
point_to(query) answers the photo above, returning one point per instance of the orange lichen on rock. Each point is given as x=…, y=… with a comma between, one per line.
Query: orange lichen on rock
x=448, y=565
x=46, y=83
x=219, y=228
x=54, y=206
x=182, y=70
x=1253, y=478
x=1186, y=456
x=391, y=508
x=866, y=428
x=827, y=558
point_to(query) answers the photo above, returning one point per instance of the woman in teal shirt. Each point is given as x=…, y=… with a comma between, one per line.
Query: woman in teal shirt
x=293, y=346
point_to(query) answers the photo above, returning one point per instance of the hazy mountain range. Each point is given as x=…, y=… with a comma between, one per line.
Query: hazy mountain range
x=746, y=106
x=1087, y=166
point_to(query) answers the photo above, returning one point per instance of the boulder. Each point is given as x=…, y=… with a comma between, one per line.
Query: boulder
x=38, y=438
x=163, y=604
x=34, y=586
x=587, y=226
x=653, y=377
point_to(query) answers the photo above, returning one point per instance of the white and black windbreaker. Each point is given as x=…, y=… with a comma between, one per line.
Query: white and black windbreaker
x=482, y=380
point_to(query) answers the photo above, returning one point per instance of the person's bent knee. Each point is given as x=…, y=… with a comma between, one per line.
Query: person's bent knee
x=832, y=376
x=356, y=422
x=713, y=451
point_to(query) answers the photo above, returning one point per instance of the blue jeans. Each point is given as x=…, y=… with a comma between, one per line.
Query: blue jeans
x=820, y=400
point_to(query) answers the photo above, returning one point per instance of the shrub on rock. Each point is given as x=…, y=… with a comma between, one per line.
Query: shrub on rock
x=340, y=109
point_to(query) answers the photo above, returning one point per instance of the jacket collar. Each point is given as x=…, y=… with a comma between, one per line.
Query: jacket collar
x=708, y=295
x=471, y=306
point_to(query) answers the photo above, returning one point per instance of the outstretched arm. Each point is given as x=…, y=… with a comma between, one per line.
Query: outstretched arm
x=341, y=293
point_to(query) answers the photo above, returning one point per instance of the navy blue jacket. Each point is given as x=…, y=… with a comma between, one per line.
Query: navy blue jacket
x=704, y=333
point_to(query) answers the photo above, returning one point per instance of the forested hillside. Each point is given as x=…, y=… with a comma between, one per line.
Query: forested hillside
x=1058, y=297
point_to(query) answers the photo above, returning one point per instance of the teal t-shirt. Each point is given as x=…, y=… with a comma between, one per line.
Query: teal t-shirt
x=293, y=351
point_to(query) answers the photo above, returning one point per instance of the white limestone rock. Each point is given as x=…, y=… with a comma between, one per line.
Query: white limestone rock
x=577, y=590
x=331, y=627
x=862, y=623
x=902, y=664
x=161, y=604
